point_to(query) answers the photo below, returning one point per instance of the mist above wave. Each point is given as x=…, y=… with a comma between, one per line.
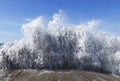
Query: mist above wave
x=62, y=45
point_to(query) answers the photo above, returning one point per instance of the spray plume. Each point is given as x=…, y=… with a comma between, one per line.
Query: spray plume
x=59, y=45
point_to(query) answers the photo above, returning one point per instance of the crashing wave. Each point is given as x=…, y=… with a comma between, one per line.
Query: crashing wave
x=62, y=45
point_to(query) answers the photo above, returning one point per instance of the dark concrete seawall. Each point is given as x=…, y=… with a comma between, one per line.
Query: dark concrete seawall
x=45, y=75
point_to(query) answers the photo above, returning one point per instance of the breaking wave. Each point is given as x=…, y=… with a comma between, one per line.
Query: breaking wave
x=62, y=45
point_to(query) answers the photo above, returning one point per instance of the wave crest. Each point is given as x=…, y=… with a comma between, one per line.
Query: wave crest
x=62, y=45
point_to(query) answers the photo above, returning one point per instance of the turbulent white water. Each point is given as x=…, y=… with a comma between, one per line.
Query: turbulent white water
x=62, y=45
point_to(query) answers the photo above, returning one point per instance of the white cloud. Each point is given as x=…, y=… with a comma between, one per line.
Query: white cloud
x=28, y=20
x=10, y=23
x=6, y=33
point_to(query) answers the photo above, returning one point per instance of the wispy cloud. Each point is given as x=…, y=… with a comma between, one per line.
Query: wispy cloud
x=10, y=23
x=27, y=19
x=6, y=33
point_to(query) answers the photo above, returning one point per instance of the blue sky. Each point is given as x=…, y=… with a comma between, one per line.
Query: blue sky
x=13, y=13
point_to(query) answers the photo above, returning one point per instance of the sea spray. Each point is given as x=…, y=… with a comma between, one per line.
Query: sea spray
x=61, y=45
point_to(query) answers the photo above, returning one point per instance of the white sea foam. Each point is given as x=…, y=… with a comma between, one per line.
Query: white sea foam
x=63, y=45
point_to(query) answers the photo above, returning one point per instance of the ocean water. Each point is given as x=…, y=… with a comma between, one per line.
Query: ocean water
x=59, y=44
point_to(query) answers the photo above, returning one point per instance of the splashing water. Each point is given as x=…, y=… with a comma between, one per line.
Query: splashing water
x=60, y=45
